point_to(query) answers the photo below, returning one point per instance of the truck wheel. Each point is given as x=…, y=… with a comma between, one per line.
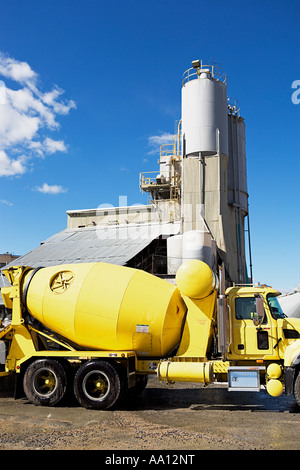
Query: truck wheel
x=45, y=382
x=297, y=389
x=97, y=385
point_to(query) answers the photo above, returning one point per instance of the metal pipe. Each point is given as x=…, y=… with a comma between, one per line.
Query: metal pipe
x=220, y=168
x=201, y=185
x=222, y=315
x=249, y=242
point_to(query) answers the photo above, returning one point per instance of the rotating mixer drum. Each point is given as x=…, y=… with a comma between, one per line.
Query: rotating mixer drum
x=107, y=307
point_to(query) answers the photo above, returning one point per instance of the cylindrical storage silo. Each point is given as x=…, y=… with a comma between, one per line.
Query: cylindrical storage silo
x=204, y=115
x=197, y=244
x=174, y=253
x=236, y=169
x=107, y=307
x=243, y=187
x=165, y=172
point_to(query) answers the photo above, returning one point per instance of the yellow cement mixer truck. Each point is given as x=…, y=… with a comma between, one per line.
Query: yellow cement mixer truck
x=99, y=330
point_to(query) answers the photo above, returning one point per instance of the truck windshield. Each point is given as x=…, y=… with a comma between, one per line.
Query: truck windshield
x=275, y=308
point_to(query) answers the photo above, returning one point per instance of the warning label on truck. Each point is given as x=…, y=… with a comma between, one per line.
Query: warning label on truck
x=142, y=328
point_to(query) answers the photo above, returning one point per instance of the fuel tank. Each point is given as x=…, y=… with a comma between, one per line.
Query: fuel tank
x=107, y=307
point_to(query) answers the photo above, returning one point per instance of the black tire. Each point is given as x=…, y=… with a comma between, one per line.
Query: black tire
x=297, y=389
x=97, y=385
x=45, y=382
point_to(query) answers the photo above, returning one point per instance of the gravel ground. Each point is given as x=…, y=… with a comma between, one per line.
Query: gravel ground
x=164, y=417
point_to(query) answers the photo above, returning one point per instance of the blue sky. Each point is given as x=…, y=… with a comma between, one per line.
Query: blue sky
x=87, y=87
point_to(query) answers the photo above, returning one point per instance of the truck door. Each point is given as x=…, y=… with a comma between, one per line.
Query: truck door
x=248, y=340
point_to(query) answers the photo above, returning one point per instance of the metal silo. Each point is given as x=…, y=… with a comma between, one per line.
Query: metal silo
x=237, y=171
x=204, y=111
x=237, y=191
x=214, y=196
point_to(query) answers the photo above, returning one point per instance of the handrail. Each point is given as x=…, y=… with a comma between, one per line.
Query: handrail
x=148, y=180
x=215, y=72
x=171, y=149
x=233, y=106
x=164, y=151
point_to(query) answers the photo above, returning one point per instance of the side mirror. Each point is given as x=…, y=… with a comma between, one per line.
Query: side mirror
x=260, y=312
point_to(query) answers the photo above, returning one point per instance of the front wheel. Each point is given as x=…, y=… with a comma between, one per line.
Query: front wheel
x=45, y=382
x=297, y=389
x=97, y=385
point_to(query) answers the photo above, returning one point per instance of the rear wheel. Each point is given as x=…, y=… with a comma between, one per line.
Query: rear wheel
x=97, y=385
x=297, y=389
x=45, y=382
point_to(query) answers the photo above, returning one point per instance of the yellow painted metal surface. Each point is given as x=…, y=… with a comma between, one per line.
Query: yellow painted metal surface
x=292, y=352
x=113, y=311
x=21, y=347
x=185, y=371
x=220, y=367
x=5, y=292
x=274, y=371
x=197, y=283
x=288, y=348
x=198, y=327
x=274, y=387
x=195, y=279
x=108, y=307
x=244, y=332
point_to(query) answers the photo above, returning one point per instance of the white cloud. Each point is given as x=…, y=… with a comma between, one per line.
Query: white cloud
x=163, y=138
x=59, y=107
x=5, y=202
x=26, y=117
x=16, y=128
x=24, y=102
x=15, y=70
x=52, y=146
x=155, y=141
x=50, y=189
x=10, y=167
x=2, y=92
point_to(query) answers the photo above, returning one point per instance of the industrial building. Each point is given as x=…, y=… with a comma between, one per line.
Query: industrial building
x=197, y=197
x=6, y=258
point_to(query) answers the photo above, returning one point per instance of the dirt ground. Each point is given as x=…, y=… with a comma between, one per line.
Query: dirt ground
x=164, y=417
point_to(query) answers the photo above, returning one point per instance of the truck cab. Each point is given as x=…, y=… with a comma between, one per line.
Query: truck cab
x=264, y=338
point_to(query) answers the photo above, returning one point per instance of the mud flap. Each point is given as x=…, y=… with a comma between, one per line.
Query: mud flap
x=19, y=390
x=289, y=378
